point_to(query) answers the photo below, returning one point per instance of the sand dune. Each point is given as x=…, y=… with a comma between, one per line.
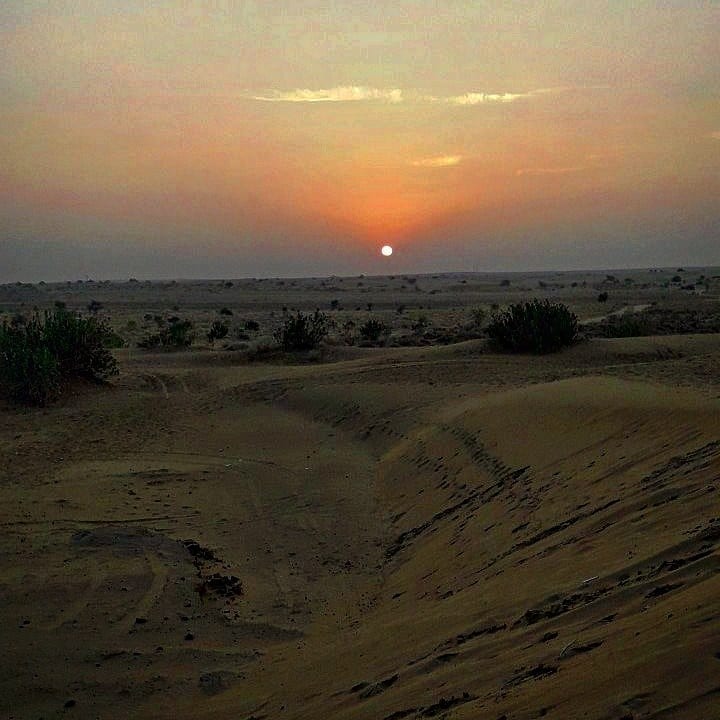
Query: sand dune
x=413, y=533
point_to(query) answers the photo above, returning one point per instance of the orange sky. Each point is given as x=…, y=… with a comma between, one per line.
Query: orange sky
x=287, y=137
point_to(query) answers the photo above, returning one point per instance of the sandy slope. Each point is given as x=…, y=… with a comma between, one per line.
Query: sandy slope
x=418, y=533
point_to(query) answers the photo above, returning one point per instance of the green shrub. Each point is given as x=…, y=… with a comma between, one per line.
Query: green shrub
x=478, y=317
x=218, y=330
x=37, y=357
x=149, y=341
x=174, y=334
x=535, y=326
x=302, y=332
x=372, y=330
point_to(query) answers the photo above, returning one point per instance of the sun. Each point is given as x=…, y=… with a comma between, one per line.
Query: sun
x=386, y=250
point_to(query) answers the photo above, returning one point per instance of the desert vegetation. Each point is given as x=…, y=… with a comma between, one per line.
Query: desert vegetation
x=173, y=334
x=373, y=330
x=218, y=330
x=302, y=331
x=38, y=356
x=657, y=321
x=537, y=326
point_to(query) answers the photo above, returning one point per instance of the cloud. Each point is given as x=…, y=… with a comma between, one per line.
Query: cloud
x=354, y=93
x=474, y=98
x=481, y=98
x=715, y=135
x=548, y=171
x=343, y=93
x=439, y=161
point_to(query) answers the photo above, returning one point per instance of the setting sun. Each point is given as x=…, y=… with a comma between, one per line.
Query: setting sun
x=386, y=250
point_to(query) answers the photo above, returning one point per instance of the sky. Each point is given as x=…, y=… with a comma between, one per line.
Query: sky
x=289, y=137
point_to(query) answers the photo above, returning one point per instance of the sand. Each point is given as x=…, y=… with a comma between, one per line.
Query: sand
x=401, y=533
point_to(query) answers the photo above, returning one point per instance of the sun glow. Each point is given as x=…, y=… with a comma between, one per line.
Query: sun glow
x=386, y=250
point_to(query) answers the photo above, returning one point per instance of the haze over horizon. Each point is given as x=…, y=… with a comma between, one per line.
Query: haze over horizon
x=282, y=138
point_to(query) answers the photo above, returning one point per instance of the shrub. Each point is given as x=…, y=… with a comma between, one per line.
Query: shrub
x=373, y=329
x=302, y=332
x=420, y=325
x=478, y=316
x=348, y=332
x=535, y=326
x=173, y=335
x=113, y=340
x=603, y=297
x=252, y=326
x=37, y=357
x=177, y=334
x=218, y=330
x=79, y=344
x=226, y=311
x=149, y=341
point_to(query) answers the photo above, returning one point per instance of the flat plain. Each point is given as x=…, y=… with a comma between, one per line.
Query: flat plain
x=426, y=528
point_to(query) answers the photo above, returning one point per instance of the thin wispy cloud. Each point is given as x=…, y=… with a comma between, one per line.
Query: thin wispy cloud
x=342, y=93
x=483, y=98
x=474, y=98
x=715, y=135
x=438, y=162
x=355, y=93
x=548, y=171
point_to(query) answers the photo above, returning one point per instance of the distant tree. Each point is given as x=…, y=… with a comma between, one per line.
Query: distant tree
x=226, y=311
x=94, y=307
x=505, y=282
x=602, y=297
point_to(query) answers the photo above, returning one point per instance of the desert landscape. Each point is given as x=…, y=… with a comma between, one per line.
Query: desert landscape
x=402, y=522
